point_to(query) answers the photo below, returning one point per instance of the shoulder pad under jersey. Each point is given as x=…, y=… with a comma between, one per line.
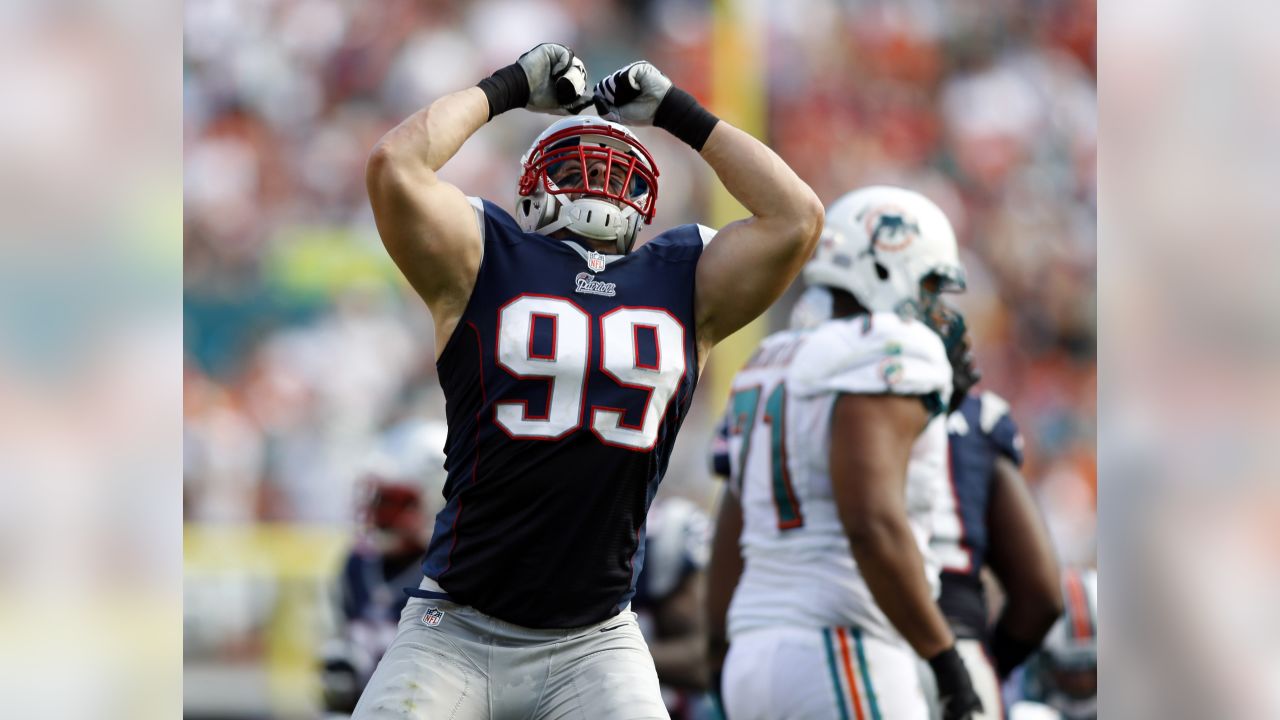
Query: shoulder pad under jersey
x=998, y=426
x=872, y=355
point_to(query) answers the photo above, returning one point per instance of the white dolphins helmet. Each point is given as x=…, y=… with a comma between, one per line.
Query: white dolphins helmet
x=555, y=191
x=1064, y=675
x=879, y=243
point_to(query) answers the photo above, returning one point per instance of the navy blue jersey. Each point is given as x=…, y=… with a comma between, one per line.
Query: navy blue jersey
x=979, y=432
x=371, y=585
x=565, y=384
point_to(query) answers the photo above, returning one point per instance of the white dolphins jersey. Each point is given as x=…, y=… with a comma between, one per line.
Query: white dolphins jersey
x=799, y=569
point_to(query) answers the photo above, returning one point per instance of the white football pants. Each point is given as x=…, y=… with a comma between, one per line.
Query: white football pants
x=450, y=661
x=820, y=674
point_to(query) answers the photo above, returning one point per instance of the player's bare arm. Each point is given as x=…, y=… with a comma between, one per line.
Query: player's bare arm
x=871, y=439
x=752, y=261
x=723, y=573
x=1022, y=558
x=679, y=652
x=427, y=225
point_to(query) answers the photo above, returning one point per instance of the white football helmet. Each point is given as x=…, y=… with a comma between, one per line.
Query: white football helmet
x=1064, y=673
x=879, y=243
x=558, y=190
x=403, y=481
x=814, y=307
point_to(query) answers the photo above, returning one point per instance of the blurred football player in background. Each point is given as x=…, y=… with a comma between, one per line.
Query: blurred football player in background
x=986, y=517
x=568, y=356
x=1060, y=680
x=401, y=485
x=838, y=451
x=669, y=603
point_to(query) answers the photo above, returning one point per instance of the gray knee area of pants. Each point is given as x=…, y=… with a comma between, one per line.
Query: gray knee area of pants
x=606, y=674
x=424, y=674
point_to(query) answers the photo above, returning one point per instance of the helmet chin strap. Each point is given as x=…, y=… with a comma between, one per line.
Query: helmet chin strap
x=569, y=217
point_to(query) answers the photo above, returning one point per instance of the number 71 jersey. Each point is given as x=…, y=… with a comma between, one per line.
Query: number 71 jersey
x=799, y=569
x=565, y=383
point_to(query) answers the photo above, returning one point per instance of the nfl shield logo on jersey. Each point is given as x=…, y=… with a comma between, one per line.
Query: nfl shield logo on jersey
x=432, y=617
x=595, y=261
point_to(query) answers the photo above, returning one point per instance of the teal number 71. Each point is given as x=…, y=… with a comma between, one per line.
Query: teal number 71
x=745, y=404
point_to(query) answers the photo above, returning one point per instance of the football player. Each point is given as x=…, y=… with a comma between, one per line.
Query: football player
x=400, y=486
x=568, y=353
x=838, y=449
x=668, y=603
x=986, y=517
x=1061, y=679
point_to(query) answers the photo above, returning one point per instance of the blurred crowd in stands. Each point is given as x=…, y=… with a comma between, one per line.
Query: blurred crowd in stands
x=302, y=343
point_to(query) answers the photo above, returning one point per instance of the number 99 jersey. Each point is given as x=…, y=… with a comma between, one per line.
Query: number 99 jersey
x=565, y=383
x=799, y=569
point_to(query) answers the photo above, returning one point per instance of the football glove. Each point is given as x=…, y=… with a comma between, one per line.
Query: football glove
x=631, y=95
x=639, y=94
x=549, y=79
x=956, y=695
x=557, y=79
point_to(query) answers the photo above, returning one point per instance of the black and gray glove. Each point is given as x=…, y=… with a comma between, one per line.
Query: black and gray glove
x=548, y=79
x=956, y=695
x=639, y=94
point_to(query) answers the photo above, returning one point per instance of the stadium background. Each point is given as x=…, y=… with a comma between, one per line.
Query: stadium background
x=302, y=342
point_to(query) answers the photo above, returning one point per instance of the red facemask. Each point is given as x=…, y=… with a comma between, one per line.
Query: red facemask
x=572, y=155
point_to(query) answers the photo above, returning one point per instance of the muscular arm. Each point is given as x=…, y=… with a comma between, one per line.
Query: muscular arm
x=427, y=225
x=679, y=652
x=871, y=439
x=1022, y=558
x=722, y=578
x=752, y=261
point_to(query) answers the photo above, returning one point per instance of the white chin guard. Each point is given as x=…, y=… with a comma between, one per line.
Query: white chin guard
x=595, y=219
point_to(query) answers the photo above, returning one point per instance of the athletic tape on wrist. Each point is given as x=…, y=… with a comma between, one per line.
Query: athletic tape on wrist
x=506, y=89
x=680, y=114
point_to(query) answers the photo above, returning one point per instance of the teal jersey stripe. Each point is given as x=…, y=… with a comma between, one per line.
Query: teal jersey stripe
x=866, y=675
x=784, y=495
x=835, y=674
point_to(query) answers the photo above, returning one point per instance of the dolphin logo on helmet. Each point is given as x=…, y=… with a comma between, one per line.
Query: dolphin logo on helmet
x=879, y=243
x=890, y=228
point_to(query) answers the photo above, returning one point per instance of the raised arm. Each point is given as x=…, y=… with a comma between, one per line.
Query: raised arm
x=427, y=225
x=752, y=261
x=871, y=439
x=1022, y=558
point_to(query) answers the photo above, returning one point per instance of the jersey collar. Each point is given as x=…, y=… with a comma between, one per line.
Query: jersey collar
x=585, y=253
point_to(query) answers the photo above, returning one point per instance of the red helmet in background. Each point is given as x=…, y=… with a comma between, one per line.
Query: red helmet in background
x=402, y=485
